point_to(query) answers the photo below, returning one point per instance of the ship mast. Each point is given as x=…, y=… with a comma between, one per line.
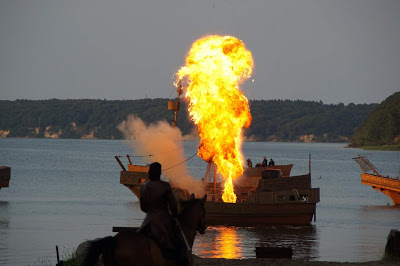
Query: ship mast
x=174, y=105
x=211, y=167
x=211, y=176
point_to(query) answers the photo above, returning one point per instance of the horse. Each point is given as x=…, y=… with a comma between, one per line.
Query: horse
x=134, y=248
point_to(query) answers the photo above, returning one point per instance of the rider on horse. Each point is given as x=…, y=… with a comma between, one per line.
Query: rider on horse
x=156, y=199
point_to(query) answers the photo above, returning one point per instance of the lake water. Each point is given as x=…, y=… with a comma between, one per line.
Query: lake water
x=63, y=192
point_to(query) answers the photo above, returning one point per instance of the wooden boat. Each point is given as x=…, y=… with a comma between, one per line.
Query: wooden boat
x=385, y=184
x=136, y=175
x=5, y=173
x=268, y=199
x=264, y=195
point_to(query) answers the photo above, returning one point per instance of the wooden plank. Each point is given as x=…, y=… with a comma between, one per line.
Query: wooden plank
x=129, y=174
x=382, y=182
x=4, y=183
x=286, y=183
x=257, y=209
x=253, y=220
x=132, y=178
x=138, y=168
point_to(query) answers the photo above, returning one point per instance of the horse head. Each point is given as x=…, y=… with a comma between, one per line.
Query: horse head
x=193, y=214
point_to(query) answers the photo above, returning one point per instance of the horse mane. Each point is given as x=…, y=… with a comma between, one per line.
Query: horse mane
x=188, y=202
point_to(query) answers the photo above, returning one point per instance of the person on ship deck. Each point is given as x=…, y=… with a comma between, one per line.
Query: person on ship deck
x=271, y=162
x=249, y=163
x=265, y=162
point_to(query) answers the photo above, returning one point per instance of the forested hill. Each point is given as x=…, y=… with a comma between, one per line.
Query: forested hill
x=273, y=120
x=382, y=126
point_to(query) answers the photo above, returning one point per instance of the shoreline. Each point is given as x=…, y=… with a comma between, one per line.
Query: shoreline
x=199, y=261
x=392, y=147
x=282, y=262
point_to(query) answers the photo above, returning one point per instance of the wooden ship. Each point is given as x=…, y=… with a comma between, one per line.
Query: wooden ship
x=136, y=175
x=5, y=173
x=371, y=177
x=266, y=198
x=265, y=195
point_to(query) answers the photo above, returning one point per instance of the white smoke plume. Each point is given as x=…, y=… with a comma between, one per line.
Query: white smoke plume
x=164, y=143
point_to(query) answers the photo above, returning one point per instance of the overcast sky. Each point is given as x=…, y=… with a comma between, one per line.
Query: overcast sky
x=333, y=51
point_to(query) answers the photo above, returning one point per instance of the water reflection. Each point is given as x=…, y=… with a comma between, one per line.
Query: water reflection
x=136, y=216
x=4, y=220
x=4, y=229
x=378, y=221
x=240, y=242
x=224, y=242
x=228, y=242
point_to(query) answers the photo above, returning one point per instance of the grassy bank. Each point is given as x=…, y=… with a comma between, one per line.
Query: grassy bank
x=70, y=262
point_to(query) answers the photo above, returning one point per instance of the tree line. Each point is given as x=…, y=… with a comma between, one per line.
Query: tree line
x=273, y=120
x=382, y=126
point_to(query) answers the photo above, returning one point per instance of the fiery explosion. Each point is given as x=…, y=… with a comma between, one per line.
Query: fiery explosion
x=215, y=66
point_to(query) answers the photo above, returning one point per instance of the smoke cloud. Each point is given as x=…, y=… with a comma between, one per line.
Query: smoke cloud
x=164, y=143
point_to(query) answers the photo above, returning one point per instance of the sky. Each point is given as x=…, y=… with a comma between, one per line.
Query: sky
x=336, y=51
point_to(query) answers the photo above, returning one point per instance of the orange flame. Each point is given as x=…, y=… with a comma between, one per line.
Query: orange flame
x=215, y=66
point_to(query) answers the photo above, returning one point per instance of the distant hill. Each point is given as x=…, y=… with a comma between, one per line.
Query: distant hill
x=273, y=120
x=382, y=126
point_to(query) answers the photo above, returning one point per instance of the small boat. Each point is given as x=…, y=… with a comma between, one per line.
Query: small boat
x=5, y=173
x=371, y=177
x=265, y=195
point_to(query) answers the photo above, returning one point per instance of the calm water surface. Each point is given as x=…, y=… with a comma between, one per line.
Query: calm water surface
x=63, y=192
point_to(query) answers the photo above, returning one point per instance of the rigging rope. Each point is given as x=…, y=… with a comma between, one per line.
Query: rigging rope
x=171, y=93
x=150, y=155
x=165, y=152
x=180, y=162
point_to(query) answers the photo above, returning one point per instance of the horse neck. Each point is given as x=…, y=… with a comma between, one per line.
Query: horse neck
x=189, y=228
x=190, y=234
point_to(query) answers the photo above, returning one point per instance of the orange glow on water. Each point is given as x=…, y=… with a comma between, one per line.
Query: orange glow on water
x=229, y=244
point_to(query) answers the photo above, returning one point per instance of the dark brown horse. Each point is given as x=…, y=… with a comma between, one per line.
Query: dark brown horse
x=131, y=248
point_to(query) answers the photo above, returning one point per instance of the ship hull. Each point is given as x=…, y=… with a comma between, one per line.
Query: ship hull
x=137, y=175
x=388, y=186
x=242, y=214
x=282, y=206
x=134, y=180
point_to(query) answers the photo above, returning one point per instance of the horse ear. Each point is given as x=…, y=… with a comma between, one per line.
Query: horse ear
x=203, y=200
x=192, y=196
